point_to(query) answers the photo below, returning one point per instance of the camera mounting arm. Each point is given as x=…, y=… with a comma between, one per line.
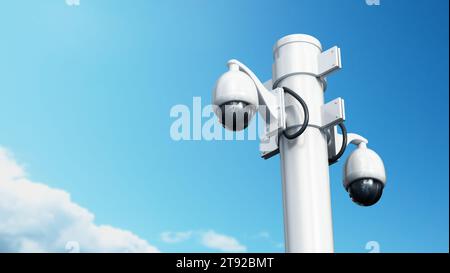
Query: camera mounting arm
x=273, y=110
x=265, y=97
x=335, y=140
x=356, y=140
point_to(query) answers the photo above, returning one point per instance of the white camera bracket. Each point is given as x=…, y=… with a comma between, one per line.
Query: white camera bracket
x=268, y=145
x=272, y=106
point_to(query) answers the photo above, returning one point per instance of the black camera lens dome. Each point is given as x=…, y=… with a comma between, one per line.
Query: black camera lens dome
x=365, y=191
x=236, y=115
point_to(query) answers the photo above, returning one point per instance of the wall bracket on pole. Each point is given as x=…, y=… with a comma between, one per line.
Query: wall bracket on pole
x=268, y=145
x=333, y=113
x=329, y=61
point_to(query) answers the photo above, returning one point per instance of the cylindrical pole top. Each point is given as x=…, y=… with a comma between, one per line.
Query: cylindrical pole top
x=297, y=38
x=295, y=54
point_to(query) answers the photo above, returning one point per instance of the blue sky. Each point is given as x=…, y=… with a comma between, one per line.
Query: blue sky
x=85, y=95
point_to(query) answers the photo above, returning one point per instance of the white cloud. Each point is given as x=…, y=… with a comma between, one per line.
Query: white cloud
x=265, y=236
x=221, y=242
x=37, y=218
x=175, y=237
x=209, y=239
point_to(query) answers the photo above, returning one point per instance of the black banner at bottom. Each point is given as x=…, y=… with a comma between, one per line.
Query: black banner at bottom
x=198, y=262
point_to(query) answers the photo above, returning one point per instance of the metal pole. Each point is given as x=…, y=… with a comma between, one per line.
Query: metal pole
x=304, y=161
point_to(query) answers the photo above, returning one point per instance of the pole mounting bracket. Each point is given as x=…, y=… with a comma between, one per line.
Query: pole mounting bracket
x=329, y=61
x=268, y=145
x=333, y=113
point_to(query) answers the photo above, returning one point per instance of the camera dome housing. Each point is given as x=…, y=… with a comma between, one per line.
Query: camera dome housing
x=364, y=176
x=236, y=99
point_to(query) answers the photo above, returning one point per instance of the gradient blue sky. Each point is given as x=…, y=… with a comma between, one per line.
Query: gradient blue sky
x=85, y=95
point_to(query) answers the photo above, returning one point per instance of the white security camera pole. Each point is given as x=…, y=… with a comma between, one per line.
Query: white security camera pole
x=304, y=161
x=297, y=89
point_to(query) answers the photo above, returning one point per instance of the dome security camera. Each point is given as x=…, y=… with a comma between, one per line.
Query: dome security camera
x=364, y=176
x=236, y=99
